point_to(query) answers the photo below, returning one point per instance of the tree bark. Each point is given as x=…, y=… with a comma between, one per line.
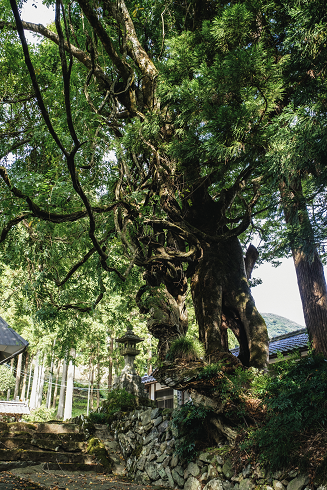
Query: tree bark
x=222, y=299
x=111, y=348
x=23, y=392
x=98, y=376
x=70, y=387
x=54, y=402
x=18, y=374
x=41, y=384
x=33, y=397
x=309, y=269
x=60, y=411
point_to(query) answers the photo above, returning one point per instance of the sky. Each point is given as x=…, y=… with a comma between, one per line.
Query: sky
x=278, y=292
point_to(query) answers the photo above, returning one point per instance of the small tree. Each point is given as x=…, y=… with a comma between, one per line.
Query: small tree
x=7, y=380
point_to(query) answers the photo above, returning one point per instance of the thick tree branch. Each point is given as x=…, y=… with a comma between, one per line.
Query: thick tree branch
x=79, y=54
x=11, y=224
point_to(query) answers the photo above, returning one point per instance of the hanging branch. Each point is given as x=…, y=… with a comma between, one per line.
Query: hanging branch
x=35, y=84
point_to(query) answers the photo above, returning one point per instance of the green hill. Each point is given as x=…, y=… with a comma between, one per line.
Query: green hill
x=278, y=325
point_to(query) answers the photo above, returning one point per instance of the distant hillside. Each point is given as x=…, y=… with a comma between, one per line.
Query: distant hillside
x=278, y=325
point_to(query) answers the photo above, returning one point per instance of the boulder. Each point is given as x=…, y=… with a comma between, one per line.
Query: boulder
x=298, y=483
x=193, y=469
x=177, y=477
x=192, y=484
x=215, y=484
x=228, y=469
x=246, y=484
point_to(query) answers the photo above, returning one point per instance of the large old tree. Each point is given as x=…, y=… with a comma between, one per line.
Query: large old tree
x=185, y=94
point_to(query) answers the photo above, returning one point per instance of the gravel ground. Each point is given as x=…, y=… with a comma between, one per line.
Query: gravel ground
x=35, y=478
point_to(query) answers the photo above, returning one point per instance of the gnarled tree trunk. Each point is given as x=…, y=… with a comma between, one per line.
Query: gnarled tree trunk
x=222, y=299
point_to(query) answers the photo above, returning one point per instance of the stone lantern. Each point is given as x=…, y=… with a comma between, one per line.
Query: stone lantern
x=128, y=343
x=129, y=380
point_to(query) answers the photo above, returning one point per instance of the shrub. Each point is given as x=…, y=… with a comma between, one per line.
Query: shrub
x=191, y=423
x=296, y=401
x=185, y=348
x=7, y=380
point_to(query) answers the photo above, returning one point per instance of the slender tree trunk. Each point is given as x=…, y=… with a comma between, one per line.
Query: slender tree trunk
x=92, y=386
x=23, y=393
x=98, y=376
x=150, y=356
x=49, y=391
x=18, y=374
x=222, y=299
x=11, y=369
x=41, y=384
x=111, y=349
x=309, y=269
x=60, y=411
x=29, y=378
x=70, y=387
x=33, y=397
x=56, y=387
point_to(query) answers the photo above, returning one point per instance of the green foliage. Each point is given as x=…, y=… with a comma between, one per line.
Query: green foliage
x=7, y=380
x=191, y=423
x=296, y=401
x=118, y=401
x=185, y=348
x=41, y=414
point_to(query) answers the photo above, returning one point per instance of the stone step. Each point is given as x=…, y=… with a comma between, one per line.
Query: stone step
x=58, y=428
x=31, y=442
x=82, y=467
x=45, y=456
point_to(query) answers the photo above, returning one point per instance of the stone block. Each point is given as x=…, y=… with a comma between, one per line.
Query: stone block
x=170, y=478
x=298, y=483
x=155, y=412
x=227, y=485
x=246, y=484
x=215, y=484
x=161, y=458
x=228, y=469
x=192, y=484
x=212, y=472
x=152, y=471
x=177, y=477
x=193, y=469
x=204, y=477
x=163, y=474
x=205, y=457
x=166, y=462
x=163, y=426
x=277, y=485
x=157, y=421
x=140, y=464
x=146, y=417
x=174, y=461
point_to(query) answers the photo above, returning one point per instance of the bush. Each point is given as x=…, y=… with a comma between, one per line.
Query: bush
x=185, y=348
x=41, y=414
x=7, y=380
x=296, y=400
x=191, y=423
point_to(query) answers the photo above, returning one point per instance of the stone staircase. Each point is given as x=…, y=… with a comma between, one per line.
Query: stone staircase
x=57, y=445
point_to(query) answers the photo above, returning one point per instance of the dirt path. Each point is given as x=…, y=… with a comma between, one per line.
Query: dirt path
x=35, y=478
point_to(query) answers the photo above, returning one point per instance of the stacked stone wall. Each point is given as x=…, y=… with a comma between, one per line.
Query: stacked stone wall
x=147, y=440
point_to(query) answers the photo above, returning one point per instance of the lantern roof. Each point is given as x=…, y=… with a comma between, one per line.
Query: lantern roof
x=129, y=336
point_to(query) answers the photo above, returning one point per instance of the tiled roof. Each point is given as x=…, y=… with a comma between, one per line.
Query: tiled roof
x=148, y=378
x=14, y=408
x=11, y=343
x=286, y=343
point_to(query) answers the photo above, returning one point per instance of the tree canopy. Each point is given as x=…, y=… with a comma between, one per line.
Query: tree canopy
x=147, y=140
